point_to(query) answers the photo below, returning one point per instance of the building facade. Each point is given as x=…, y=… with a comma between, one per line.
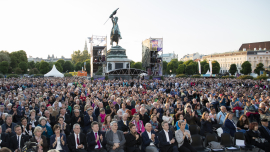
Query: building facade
x=169, y=56
x=49, y=59
x=191, y=57
x=255, y=53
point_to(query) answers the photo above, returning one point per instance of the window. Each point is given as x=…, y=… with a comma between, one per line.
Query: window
x=244, y=49
x=109, y=66
x=254, y=49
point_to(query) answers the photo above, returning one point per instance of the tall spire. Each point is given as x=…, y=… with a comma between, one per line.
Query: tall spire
x=85, y=47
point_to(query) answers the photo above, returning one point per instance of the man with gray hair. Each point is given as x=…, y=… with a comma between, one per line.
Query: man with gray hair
x=149, y=139
x=144, y=117
x=77, y=140
x=123, y=124
x=8, y=126
x=115, y=139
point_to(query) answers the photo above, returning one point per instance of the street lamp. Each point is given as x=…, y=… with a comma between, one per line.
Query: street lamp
x=171, y=72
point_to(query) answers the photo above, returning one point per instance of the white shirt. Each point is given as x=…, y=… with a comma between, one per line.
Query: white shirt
x=33, y=123
x=149, y=135
x=167, y=136
x=58, y=144
x=167, y=119
x=96, y=147
x=20, y=136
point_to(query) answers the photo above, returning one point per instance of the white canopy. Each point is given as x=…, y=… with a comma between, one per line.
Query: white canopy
x=54, y=73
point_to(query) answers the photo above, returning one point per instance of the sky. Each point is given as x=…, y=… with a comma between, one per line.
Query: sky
x=59, y=27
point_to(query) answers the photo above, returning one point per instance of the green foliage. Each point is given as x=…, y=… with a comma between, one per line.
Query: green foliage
x=196, y=76
x=68, y=67
x=203, y=63
x=259, y=68
x=189, y=69
x=4, y=56
x=188, y=62
x=18, y=70
x=92, y=78
x=37, y=65
x=61, y=62
x=58, y=67
x=225, y=77
x=31, y=65
x=39, y=75
x=2, y=76
x=106, y=77
x=137, y=65
x=132, y=64
x=164, y=64
x=151, y=77
x=79, y=56
x=162, y=78
x=17, y=57
x=67, y=75
x=88, y=68
x=44, y=67
x=205, y=68
x=245, y=77
x=78, y=66
x=215, y=67
x=261, y=77
x=23, y=66
x=181, y=76
x=180, y=62
x=13, y=76
x=181, y=69
x=246, y=68
x=233, y=69
x=172, y=65
x=4, y=67
x=33, y=71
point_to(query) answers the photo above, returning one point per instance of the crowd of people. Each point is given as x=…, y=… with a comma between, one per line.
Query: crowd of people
x=77, y=114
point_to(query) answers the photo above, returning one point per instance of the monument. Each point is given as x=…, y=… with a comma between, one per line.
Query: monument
x=116, y=55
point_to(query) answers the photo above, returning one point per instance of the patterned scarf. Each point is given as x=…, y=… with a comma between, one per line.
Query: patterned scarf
x=138, y=126
x=102, y=116
x=40, y=148
x=154, y=124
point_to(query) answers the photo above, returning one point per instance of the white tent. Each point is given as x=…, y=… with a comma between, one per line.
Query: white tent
x=54, y=73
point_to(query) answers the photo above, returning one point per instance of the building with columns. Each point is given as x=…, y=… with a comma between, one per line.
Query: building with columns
x=255, y=53
x=191, y=57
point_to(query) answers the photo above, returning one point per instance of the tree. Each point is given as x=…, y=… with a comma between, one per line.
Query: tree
x=259, y=68
x=172, y=65
x=37, y=65
x=18, y=70
x=44, y=67
x=58, y=67
x=138, y=65
x=215, y=67
x=79, y=56
x=189, y=69
x=31, y=65
x=4, y=56
x=4, y=67
x=78, y=66
x=203, y=63
x=33, y=71
x=164, y=64
x=68, y=67
x=205, y=68
x=246, y=68
x=17, y=57
x=233, y=69
x=180, y=69
x=23, y=66
x=132, y=64
x=88, y=68
x=61, y=61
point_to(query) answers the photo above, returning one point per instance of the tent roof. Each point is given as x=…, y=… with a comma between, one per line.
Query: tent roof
x=54, y=72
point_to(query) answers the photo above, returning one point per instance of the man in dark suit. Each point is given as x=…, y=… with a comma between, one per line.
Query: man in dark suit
x=97, y=110
x=3, y=139
x=77, y=118
x=77, y=141
x=16, y=114
x=207, y=108
x=123, y=124
x=63, y=113
x=17, y=142
x=265, y=130
x=166, y=140
x=149, y=139
x=50, y=119
x=96, y=140
x=88, y=119
x=118, y=104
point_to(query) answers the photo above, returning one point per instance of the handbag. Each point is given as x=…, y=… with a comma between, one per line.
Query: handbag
x=215, y=145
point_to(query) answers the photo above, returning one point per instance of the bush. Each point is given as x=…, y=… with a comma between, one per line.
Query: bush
x=38, y=75
x=225, y=77
x=151, y=77
x=196, y=76
x=162, y=78
x=245, y=77
x=262, y=77
x=13, y=76
x=181, y=76
x=106, y=77
x=68, y=75
x=92, y=78
x=2, y=76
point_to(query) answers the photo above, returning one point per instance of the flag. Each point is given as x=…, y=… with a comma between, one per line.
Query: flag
x=199, y=64
x=210, y=66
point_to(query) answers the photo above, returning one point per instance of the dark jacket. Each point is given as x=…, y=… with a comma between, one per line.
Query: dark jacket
x=74, y=120
x=16, y=118
x=109, y=138
x=264, y=133
x=4, y=138
x=206, y=127
x=4, y=127
x=64, y=147
x=230, y=127
x=144, y=118
x=250, y=134
x=13, y=142
x=72, y=143
x=91, y=141
x=131, y=142
x=87, y=122
x=45, y=145
x=146, y=140
x=163, y=144
x=67, y=118
x=122, y=126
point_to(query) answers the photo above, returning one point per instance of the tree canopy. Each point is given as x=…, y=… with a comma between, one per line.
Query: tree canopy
x=233, y=69
x=246, y=68
x=79, y=56
x=259, y=68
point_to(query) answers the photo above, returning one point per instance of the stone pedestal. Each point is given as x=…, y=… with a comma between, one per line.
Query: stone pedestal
x=117, y=59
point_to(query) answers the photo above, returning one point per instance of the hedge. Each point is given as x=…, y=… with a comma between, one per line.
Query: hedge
x=2, y=76
x=262, y=77
x=106, y=77
x=245, y=77
x=162, y=78
x=151, y=77
x=196, y=76
x=225, y=77
x=13, y=76
x=181, y=76
x=38, y=75
x=67, y=75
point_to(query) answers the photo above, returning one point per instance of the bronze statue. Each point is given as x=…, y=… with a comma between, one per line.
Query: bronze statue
x=115, y=32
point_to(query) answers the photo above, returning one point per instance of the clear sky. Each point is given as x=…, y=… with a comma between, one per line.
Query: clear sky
x=187, y=26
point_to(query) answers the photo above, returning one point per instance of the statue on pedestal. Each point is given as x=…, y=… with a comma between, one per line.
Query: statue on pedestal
x=115, y=32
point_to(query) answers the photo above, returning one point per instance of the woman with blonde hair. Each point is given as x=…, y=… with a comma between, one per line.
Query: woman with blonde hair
x=40, y=140
x=52, y=111
x=206, y=124
x=106, y=124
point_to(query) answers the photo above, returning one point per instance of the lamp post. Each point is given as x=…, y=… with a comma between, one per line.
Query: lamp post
x=171, y=72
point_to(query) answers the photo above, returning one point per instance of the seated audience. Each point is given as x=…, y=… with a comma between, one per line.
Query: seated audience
x=40, y=140
x=115, y=139
x=133, y=139
x=58, y=140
